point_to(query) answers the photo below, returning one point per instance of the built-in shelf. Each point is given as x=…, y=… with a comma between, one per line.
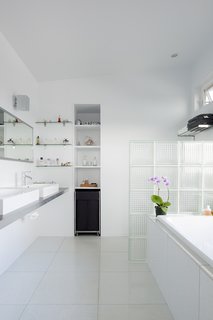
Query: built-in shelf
x=87, y=167
x=64, y=122
x=54, y=144
x=87, y=188
x=87, y=147
x=87, y=126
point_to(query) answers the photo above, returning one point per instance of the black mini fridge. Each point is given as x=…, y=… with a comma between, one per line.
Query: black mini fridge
x=87, y=211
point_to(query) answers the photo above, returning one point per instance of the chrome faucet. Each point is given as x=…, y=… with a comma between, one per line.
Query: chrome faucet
x=26, y=175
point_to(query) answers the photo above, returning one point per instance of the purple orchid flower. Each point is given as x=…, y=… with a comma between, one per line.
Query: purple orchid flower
x=166, y=181
x=157, y=180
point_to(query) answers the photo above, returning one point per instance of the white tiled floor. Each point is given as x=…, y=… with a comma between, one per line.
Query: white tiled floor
x=82, y=278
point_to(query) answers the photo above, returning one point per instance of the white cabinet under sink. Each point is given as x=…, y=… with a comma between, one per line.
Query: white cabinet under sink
x=185, y=280
x=157, y=254
x=183, y=283
x=206, y=296
x=15, y=238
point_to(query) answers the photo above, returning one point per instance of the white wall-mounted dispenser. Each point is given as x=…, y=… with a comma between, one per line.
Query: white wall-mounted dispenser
x=21, y=102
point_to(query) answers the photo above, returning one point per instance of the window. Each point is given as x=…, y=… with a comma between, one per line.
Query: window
x=208, y=95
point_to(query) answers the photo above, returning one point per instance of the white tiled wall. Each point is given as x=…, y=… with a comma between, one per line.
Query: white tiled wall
x=189, y=167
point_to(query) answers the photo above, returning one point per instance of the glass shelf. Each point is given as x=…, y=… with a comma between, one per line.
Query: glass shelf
x=19, y=160
x=13, y=122
x=64, y=122
x=48, y=166
x=17, y=145
x=53, y=144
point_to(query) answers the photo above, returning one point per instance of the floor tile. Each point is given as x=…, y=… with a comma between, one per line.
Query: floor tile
x=134, y=312
x=129, y=288
x=81, y=244
x=60, y=312
x=67, y=288
x=149, y=312
x=33, y=262
x=114, y=262
x=118, y=261
x=114, y=244
x=143, y=289
x=113, y=288
x=75, y=261
x=113, y=312
x=138, y=266
x=11, y=312
x=84, y=278
x=48, y=244
x=18, y=287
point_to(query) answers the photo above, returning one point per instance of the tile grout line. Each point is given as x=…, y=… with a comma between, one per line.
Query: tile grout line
x=27, y=304
x=99, y=278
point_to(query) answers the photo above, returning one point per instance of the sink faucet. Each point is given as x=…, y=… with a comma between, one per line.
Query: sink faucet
x=26, y=175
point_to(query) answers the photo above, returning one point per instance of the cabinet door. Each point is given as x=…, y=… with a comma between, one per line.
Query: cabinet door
x=206, y=296
x=157, y=254
x=182, y=283
x=87, y=210
x=81, y=215
x=93, y=215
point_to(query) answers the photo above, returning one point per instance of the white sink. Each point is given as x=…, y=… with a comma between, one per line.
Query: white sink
x=45, y=189
x=15, y=198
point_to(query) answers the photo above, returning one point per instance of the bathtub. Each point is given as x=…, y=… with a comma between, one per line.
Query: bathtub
x=195, y=231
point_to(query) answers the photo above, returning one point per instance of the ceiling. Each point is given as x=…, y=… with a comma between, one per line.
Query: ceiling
x=60, y=39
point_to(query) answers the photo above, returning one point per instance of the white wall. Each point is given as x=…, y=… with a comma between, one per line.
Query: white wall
x=14, y=79
x=150, y=106
x=202, y=73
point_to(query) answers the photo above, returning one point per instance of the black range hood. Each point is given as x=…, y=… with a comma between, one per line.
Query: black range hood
x=197, y=124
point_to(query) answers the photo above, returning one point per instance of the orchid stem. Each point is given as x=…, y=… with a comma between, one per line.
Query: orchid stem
x=168, y=194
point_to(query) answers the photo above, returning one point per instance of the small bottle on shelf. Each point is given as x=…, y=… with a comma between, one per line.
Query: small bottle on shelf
x=85, y=162
x=94, y=161
x=41, y=161
x=37, y=140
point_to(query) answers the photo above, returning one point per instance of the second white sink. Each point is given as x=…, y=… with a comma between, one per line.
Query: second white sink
x=45, y=189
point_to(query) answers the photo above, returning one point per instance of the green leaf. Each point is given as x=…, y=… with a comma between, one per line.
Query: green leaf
x=164, y=209
x=167, y=204
x=157, y=199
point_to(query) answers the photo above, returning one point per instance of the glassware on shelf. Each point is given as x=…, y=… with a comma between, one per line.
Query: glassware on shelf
x=85, y=161
x=94, y=163
x=89, y=141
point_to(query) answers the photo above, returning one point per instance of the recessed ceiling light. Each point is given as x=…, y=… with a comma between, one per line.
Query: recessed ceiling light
x=174, y=55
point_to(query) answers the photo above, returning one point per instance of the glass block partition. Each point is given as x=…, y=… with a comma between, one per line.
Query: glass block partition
x=189, y=167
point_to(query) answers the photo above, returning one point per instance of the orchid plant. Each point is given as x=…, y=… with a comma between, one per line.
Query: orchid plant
x=156, y=198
